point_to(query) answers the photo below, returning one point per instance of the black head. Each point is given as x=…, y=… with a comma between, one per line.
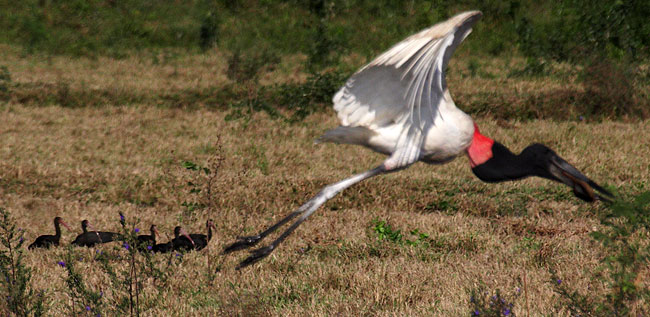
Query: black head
x=153, y=229
x=59, y=220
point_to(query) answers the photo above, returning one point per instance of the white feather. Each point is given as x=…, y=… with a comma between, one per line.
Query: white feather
x=408, y=78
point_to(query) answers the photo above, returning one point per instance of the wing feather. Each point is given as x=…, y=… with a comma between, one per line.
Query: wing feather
x=407, y=81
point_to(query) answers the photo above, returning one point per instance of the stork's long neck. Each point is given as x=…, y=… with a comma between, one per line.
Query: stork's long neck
x=209, y=232
x=493, y=162
x=57, y=229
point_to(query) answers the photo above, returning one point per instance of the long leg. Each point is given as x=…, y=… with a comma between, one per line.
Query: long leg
x=304, y=211
x=249, y=241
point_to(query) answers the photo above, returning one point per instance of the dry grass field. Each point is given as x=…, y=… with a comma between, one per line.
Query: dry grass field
x=94, y=162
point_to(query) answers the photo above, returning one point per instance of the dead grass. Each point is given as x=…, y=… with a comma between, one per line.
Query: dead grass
x=91, y=163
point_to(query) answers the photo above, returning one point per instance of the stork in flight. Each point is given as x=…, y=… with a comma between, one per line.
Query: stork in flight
x=399, y=105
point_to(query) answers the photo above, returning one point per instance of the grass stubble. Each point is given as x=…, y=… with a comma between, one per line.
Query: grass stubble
x=94, y=162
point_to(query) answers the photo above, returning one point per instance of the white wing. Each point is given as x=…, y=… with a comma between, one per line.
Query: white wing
x=408, y=79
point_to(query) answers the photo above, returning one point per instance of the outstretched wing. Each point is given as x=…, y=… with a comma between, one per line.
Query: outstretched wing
x=408, y=79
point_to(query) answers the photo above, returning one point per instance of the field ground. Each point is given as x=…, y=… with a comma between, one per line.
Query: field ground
x=93, y=162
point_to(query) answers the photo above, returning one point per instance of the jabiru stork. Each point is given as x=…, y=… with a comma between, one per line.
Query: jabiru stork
x=399, y=105
x=46, y=241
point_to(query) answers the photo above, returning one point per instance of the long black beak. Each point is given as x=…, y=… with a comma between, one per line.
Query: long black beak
x=583, y=187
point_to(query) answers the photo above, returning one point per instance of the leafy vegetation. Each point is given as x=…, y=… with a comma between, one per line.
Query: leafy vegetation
x=624, y=236
x=326, y=40
x=566, y=29
x=386, y=232
x=18, y=293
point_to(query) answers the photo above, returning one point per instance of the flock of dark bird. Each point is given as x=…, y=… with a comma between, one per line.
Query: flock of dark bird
x=182, y=241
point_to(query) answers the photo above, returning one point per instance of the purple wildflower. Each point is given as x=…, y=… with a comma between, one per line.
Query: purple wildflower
x=559, y=281
x=137, y=230
x=101, y=293
x=61, y=263
x=149, y=247
x=126, y=245
x=506, y=312
x=121, y=217
x=88, y=308
x=22, y=239
x=476, y=313
x=518, y=290
x=178, y=254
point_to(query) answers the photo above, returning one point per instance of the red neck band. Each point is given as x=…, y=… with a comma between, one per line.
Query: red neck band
x=481, y=148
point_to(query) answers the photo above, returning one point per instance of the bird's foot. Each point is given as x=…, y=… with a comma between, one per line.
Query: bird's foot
x=256, y=256
x=242, y=243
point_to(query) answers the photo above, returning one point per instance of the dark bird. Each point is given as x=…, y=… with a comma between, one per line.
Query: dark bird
x=91, y=238
x=163, y=247
x=145, y=240
x=46, y=241
x=399, y=105
x=182, y=241
x=201, y=240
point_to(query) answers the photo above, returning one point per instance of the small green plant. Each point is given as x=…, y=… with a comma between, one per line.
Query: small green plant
x=420, y=237
x=20, y=297
x=385, y=232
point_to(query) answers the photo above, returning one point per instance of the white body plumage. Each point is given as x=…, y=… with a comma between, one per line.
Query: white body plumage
x=399, y=103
